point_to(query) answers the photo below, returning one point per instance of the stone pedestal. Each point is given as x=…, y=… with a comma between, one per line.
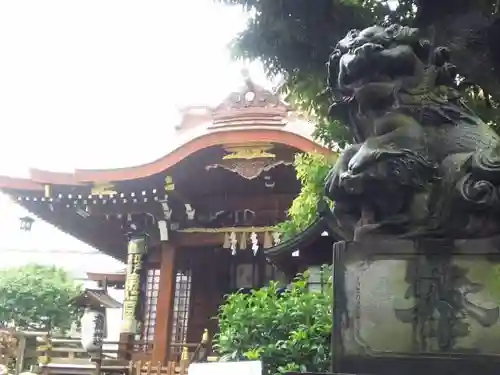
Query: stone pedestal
x=404, y=306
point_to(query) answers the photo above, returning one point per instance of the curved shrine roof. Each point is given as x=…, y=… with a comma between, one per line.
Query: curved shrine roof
x=251, y=115
x=251, y=130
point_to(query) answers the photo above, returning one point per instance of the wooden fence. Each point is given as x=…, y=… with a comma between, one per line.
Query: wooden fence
x=59, y=355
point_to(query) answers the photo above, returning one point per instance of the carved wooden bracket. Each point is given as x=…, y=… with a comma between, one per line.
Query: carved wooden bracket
x=249, y=169
x=249, y=160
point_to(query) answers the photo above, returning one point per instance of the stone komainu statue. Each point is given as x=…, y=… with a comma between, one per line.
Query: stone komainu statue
x=423, y=162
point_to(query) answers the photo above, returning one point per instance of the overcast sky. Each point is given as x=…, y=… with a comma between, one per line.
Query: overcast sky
x=97, y=84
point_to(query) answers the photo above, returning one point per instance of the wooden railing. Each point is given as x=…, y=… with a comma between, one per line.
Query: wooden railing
x=58, y=355
x=53, y=348
x=174, y=367
x=198, y=352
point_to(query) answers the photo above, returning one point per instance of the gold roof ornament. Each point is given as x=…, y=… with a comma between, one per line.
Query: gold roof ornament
x=169, y=184
x=46, y=191
x=248, y=168
x=103, y=188
x=249, y=160
x=249, y=152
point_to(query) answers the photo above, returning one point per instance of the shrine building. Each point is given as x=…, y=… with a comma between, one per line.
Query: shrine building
x=193, y=225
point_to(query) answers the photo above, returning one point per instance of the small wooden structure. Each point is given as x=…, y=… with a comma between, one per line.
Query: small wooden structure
x=110, y=279
x=192, y=225
x=97, y=299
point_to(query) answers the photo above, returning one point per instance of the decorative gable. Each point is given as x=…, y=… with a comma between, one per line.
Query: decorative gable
x=251, y=105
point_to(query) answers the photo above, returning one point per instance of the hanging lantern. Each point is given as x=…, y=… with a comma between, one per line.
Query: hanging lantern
x=25, y=223
x=93, y=327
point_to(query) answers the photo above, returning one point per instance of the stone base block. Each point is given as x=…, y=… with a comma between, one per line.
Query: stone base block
x=431, y=305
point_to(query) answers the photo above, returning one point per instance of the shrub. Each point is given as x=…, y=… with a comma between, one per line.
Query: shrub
x=288, y=330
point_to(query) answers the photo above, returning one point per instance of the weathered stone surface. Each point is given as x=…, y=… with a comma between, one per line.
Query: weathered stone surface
x=414, y=298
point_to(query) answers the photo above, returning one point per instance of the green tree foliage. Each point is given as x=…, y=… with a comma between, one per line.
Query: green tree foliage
x=311, y=171
x=288, y=331
x=295, y=38
x=37, y=297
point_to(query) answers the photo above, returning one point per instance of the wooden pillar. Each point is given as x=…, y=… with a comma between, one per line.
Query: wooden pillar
x=163, y=329
x=137, y=248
